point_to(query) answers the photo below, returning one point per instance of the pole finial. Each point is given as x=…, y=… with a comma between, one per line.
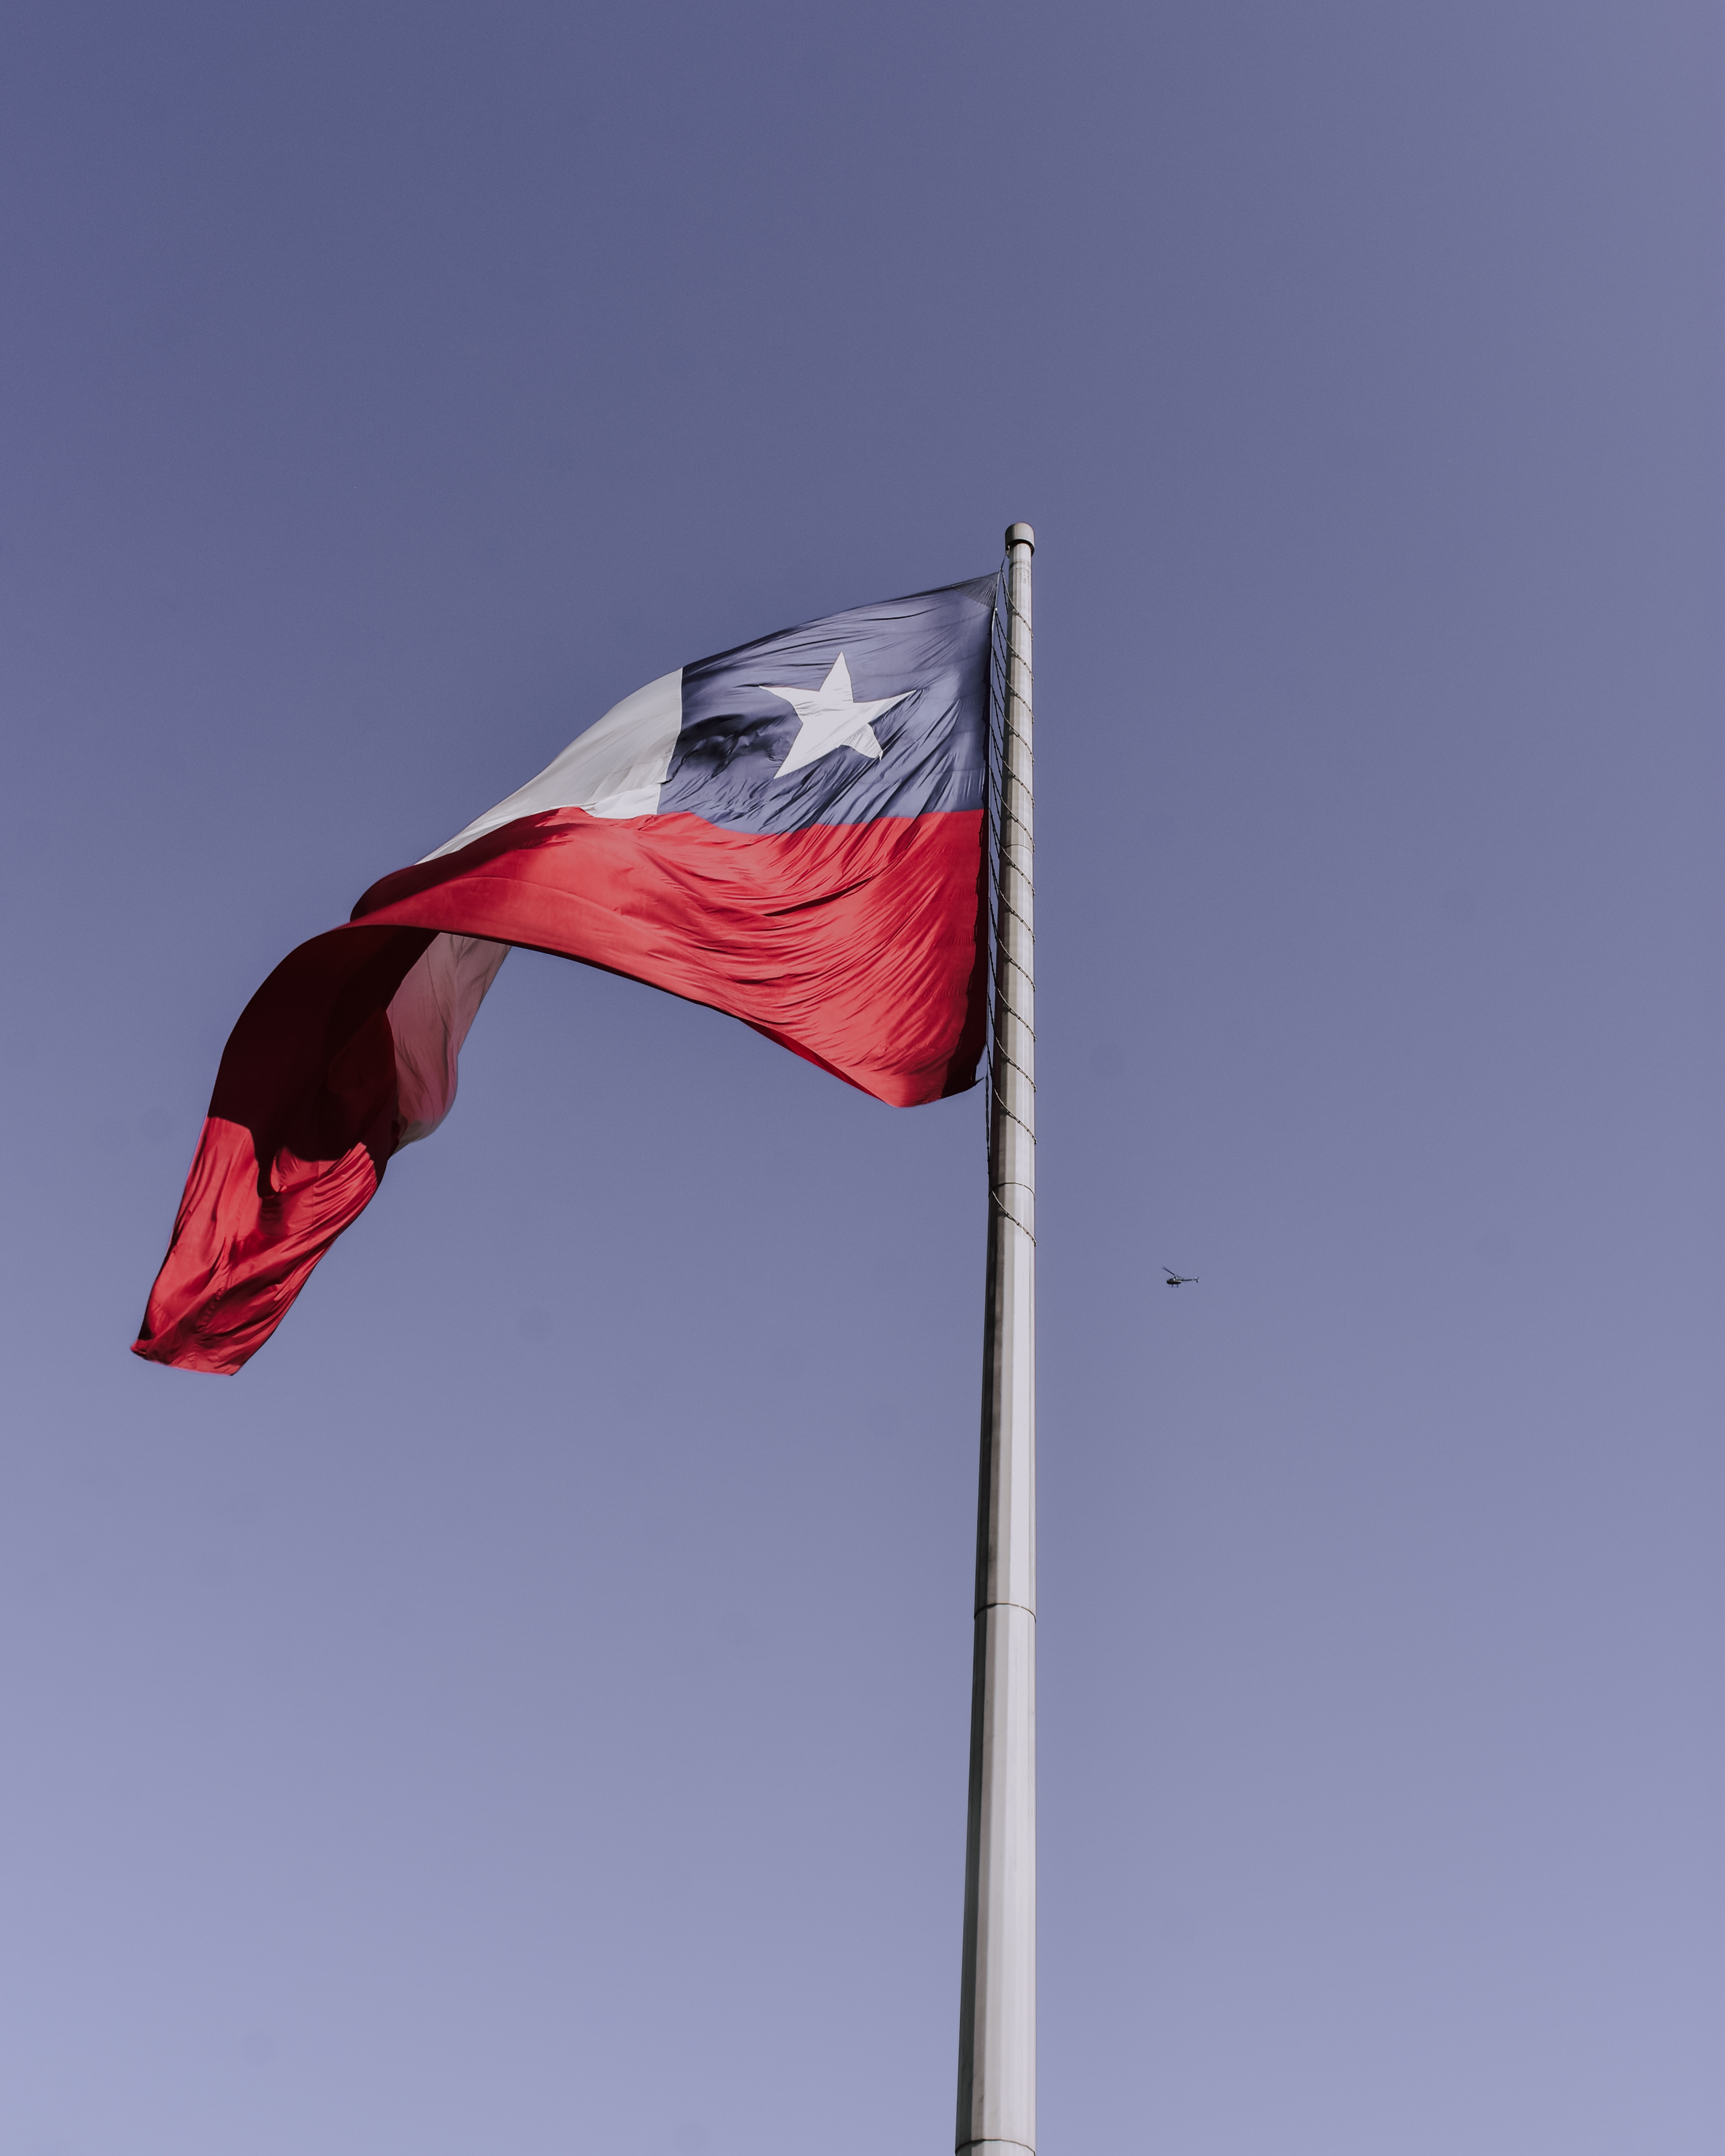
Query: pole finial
x=1020, y=534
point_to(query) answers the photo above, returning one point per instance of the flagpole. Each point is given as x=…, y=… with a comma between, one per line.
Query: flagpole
x=997, y=2030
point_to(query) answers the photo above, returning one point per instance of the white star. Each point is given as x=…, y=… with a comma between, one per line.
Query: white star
x=832, y=718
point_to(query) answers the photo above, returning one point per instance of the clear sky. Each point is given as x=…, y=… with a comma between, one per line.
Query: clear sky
x=527, y=1709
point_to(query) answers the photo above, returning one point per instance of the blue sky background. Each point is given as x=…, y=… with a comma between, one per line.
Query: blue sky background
x=527, y=1709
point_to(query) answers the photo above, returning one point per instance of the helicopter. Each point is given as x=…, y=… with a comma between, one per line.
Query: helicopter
x=1178, y=1280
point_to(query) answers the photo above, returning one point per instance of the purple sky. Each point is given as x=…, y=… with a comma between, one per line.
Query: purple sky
x=525, y=1710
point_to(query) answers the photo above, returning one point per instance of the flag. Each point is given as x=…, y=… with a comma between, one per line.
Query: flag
x=791, y=832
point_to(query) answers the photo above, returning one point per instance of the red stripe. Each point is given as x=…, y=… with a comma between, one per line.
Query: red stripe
x=854, y=944
x=857, y=946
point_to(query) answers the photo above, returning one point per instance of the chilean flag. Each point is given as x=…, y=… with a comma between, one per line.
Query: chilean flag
x=791, y=832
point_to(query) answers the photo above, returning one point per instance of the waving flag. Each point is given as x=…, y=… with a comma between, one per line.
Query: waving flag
x=791, y=832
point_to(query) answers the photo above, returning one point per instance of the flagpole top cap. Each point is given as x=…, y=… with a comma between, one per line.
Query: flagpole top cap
x=1021, y=535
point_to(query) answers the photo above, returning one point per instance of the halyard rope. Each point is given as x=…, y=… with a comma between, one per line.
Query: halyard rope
x=1011, y=893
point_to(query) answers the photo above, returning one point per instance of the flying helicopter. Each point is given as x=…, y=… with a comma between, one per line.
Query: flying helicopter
x=1178, y=1280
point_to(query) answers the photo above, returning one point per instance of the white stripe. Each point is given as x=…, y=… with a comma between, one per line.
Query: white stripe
x=428, y=1015
x=616, y=768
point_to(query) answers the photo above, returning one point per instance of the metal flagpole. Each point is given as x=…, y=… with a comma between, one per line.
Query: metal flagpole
x=997, y=2030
